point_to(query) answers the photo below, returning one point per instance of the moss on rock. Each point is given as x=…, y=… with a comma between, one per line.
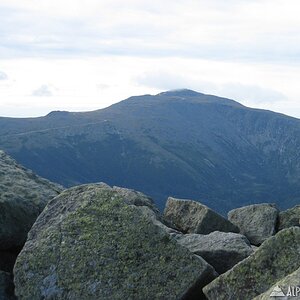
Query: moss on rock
x=289, y=285
x=289, y=218
x=89, y=243
x=191, y=216
x=23, y=195
x=275, y=258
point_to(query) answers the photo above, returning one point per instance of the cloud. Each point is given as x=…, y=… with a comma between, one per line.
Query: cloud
x=42, y=91
x=3, y=76
x=253, y=93
x=103, y=86
x=233, y=30
x=163, y=80
x=234, y=90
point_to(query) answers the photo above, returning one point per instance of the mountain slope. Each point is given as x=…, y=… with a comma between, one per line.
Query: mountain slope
x=23, y=196
x=179, y=143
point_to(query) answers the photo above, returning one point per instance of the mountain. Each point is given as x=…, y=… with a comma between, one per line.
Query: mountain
x=178, y=143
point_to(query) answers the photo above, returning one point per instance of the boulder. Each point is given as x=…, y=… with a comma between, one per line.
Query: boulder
x=137, y=198
x=146, y=206
x=277, y=257
x=289, y=286
x=157, y=220
x=193, y=217
x=257, y=222
x=90, y=243
x=222, y=250
x=23, y=195
x=254, y=248
x=289, y=218
x=6, y=286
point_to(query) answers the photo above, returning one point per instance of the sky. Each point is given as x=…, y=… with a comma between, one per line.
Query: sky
x=83, y=55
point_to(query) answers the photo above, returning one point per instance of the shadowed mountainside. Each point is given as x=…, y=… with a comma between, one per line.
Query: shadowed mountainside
x=177, y=143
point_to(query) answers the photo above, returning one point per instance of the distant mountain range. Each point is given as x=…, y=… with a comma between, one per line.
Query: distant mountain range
x=177, y=143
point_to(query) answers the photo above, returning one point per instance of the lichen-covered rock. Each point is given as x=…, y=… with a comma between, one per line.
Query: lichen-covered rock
x=254, y=248
x=6, y=286
x=257, y=222
x=146, y=205
x=289, y=218
x=222, y=250
x=277, y=257
x=136, y=198
x=193, y=217
x=23, y=195
x=157, y=220
x=289, y=286
x=89, y=243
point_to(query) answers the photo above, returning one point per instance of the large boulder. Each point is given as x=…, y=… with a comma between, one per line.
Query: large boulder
x=137, y=198
x=257, y=222
x=147, y=207
x=158, y=220
x=193, y=217
x=222, y=250
x=289, y=286
x=90, y=243
x=23, y=195
x=6, y=286
x=289, y=218
x=275, y=258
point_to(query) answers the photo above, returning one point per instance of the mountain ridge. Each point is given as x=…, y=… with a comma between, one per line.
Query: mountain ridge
x=177, y=143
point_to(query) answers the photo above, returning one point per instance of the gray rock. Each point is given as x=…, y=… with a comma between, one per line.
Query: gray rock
x=289, y=286
x=257, y=222
x=277, y=257
x=6, y=286
x=289, y=218
x=23, y=195
x=156, y=220
x=222, y=250
x=89, y=243
x=136, y=198
x=254, y=248
x=193, y=217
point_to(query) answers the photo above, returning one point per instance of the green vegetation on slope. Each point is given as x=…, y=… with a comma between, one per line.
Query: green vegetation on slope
x=181, y=143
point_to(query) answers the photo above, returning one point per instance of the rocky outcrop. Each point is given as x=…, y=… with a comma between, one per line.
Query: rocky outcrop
x=23, y=195
x=90, y=242
x=257, y=222
x=136, y=198
x=147, y=207
x=277, y=257
x=157, y=220
x=289, y=286
x=193, y=217
x=220, y=249
x=289, y=218
x=6, y=286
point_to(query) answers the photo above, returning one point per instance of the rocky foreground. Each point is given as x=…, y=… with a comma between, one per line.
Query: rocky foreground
x=23, y=196
x=100, y=242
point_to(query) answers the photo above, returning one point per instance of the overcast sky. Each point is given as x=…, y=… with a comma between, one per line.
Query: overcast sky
x=83, y=55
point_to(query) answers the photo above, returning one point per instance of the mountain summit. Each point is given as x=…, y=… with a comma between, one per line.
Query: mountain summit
x=178, y=143
x=181, y=93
